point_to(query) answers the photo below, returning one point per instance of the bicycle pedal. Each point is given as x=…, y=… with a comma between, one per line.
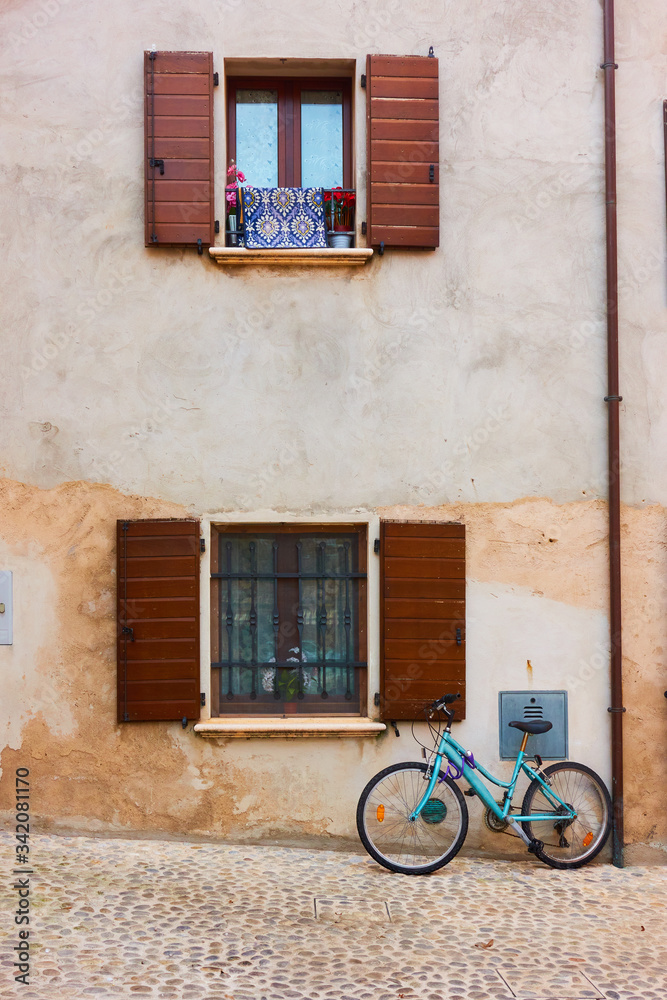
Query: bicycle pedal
x=470, y=792
x=535, y=846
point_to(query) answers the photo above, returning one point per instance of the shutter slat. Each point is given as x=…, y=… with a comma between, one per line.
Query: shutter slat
x=418, y=132
x=404, y=649
x=189, y=105
x=399, y=150
x=181, y=235
x=415, y=66
x=186, y=170
x=185, y=212
x=407, y=237
x=423, y=608
x=385, y=107
x=405, y=194
x=169, y=607
x=181, y=62
x=158, y=598
x=178, y=129
x=420, y=628
x=182, y=149
x=403, y=136
x=404, y=87
x=180, y=83
x=183, y=190
x=413, y=608
x=411, y=587
x=423, y=215
x=399, y=171
x=181, y=128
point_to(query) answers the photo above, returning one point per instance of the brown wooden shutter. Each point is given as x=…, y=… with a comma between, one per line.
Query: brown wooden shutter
x=403, y=168
x=423, y=616
x=158, y=620
x=179, y=145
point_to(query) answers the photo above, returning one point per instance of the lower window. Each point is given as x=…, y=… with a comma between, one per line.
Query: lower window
x=288, y=620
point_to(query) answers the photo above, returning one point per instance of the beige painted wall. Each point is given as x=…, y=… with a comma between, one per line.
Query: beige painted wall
x=465, y=383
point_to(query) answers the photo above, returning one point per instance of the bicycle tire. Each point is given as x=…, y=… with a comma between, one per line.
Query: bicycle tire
x=415, y=848
x=576, y=842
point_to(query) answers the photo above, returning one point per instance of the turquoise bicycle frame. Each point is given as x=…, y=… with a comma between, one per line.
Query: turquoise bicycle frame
x=458, y=756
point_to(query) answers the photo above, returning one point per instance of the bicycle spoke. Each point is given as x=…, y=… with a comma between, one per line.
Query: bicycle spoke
x=396, y=841
x=569, y=842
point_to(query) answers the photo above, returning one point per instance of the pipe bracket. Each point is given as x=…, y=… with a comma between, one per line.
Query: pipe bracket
x=613, y=399
x=608, y=64
x=617, y=709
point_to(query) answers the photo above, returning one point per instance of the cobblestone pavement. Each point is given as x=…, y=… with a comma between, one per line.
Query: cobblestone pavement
x=124, y=918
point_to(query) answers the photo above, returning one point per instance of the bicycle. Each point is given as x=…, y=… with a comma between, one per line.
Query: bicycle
x=565, y=816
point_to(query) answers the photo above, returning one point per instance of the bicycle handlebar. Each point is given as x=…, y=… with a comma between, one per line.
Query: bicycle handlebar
x=446, y=699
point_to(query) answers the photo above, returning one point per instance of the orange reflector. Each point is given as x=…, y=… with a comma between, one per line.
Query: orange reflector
x=588, y=838
x=380, y=813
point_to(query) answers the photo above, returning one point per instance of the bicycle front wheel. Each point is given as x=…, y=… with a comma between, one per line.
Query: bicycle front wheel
x=420, y=846
x=569, y=843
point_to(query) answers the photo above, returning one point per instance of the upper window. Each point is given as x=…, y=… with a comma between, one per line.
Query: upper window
x=291, y=132
x=288, y=612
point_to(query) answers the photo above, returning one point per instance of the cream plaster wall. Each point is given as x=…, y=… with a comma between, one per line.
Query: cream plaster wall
x=461, y=384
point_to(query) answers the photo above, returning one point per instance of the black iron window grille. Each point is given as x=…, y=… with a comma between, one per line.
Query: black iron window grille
x=287, y=622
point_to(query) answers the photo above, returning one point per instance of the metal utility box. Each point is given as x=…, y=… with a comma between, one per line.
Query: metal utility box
x=533, y=706
x=6, y=608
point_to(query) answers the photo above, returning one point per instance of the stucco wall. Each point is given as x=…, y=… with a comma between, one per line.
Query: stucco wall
x=465, y=383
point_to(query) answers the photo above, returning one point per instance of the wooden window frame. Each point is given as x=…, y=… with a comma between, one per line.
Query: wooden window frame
x=289, y=120
x=255, y=709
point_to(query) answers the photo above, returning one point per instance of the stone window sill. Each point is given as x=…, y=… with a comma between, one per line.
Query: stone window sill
x=246, y=727
x=237, y=256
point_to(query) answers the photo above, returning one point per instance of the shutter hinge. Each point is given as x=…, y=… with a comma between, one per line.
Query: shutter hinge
x=381, y=250
x=363, y=79
x=458, y=637
x=126, y=717
x=202, y=545
x=184, y=722
x=125, y=525
x=200, y=248
x=431, y=53
x=394, y=727
x=216, y=79
x=431, y=173
x=152, y=54
x=217, y=226
x=376, y=546
x=363, y=228
x=202, y=698
x=376, y=699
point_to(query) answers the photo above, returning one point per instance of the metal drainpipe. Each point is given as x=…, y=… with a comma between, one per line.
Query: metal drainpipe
x=613, y=400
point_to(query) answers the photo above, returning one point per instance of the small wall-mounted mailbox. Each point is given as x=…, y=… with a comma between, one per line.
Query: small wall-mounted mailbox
x=6, y=607
x=533, y=706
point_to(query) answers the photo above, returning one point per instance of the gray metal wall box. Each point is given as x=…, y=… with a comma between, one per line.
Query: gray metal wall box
x=533, y=706
x=6, y=608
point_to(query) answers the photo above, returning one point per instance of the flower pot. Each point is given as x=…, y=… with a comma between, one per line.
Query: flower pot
x=341, y=241
x=289, y=708
x=232, y=238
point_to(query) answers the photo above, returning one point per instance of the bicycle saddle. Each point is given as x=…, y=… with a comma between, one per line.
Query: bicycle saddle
x=532, y=727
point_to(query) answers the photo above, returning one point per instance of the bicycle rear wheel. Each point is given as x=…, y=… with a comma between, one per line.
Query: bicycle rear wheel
x=421, y=846
x=569, y=843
